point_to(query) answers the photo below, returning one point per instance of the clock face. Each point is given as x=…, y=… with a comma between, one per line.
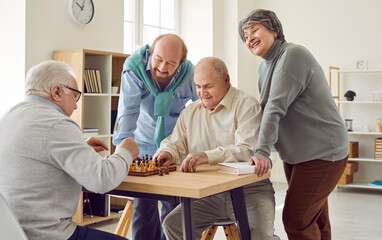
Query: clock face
x=81, y=11
x=361, y=65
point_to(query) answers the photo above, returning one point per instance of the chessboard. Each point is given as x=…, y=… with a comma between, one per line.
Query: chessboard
x=146, y=166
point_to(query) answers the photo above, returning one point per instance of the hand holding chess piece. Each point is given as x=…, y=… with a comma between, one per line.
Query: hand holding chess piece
x=164, y=158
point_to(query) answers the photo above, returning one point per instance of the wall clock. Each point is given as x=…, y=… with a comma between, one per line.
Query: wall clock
x=361, y=65
x=81, y=11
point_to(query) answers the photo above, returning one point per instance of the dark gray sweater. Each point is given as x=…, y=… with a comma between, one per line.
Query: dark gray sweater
x=300, y=117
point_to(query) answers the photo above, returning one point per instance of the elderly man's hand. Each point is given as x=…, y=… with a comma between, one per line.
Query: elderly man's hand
x=130, y=145
x=163, y=157
x=97, y=144
x=263, y=165
x=193, y=160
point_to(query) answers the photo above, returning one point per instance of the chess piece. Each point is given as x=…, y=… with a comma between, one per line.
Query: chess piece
x=133, y=166
x=142, y=166
x=156, y=163
x=146, y=166
x=160, y=172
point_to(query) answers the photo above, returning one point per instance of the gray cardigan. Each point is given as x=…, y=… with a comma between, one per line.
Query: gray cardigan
x=300, y=117
x=44, y=162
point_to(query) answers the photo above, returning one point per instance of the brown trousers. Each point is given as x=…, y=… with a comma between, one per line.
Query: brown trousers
x=306, y=212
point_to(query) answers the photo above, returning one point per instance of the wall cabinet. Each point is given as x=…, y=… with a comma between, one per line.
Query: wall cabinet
x=363, y=112
x=95, y=110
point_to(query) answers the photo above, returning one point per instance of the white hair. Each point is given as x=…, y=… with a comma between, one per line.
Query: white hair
x=41, y=77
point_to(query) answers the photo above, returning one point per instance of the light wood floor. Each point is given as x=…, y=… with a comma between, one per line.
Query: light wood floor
x=355, y=215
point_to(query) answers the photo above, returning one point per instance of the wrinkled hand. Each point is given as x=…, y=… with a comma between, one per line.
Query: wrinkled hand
x=263, y=165
x=130, y=145
x=97, y=144
x=193, y=160
x=164, y=158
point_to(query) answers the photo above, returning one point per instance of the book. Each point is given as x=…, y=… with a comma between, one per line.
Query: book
x=87, y=82
x=94, y=80
x=237, y=168
x=376, y=183
x=89, y=132
x=114, y=121
x=98, y=76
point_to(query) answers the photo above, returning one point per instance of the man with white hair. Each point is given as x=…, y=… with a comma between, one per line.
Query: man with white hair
x=45, y=161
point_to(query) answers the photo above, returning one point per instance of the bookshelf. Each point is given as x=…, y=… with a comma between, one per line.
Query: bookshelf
x=94, y=110
x=364, y=111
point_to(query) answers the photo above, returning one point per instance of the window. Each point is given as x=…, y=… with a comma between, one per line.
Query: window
x=146, y=19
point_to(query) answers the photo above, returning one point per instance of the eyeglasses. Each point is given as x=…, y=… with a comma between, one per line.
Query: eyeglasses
x=77, y=93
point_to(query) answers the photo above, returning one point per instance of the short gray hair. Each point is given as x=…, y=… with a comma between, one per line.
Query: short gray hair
x=266, y=18
x=41, y=77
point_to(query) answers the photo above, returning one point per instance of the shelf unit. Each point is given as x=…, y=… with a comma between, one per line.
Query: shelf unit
x=364, y=112
x=94, y=110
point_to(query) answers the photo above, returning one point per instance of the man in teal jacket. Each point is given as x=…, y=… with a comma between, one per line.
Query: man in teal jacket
x=156, y=84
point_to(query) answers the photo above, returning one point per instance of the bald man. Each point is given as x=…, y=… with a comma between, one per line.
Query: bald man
x=223, y=126
x=157, y=82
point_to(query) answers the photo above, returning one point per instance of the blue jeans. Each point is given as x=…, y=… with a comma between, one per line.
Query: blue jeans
x=83, y=233
x=145, y=222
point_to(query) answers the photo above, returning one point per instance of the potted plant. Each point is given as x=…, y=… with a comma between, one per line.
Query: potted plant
x=114, y=86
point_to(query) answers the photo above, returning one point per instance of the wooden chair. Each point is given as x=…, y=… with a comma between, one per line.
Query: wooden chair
x=230, y=230
x=125, y=220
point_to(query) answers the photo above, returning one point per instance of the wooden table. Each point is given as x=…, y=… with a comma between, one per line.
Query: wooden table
x=186, y=187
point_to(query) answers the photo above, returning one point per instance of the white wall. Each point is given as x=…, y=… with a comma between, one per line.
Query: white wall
x=209, y=28
x=12, y=49
x=196, y=28
x=336, y=32
x=31, y=30
x=49, y=27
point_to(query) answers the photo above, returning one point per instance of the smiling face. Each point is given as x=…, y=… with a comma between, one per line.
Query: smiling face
x=259, y=39
x=165, y=59
x=210, y=89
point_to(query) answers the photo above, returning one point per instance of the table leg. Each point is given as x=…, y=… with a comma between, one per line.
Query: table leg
x=239, y=207
x=187, y=219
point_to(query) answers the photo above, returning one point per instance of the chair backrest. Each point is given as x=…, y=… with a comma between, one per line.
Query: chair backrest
x=10, y=227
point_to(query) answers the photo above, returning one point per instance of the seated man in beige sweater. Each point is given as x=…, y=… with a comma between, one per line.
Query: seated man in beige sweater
x=222, y=126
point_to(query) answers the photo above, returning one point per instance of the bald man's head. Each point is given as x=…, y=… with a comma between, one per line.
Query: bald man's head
x=173, y=40
x=215, y=63
x=211, y=81
x=168, y=52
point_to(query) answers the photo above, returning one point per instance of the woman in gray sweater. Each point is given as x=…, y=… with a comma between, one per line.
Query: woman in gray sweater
x=301, y=121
